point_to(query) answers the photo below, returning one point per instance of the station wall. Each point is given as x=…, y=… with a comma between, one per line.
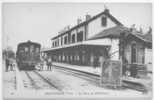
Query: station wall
x=95, y=26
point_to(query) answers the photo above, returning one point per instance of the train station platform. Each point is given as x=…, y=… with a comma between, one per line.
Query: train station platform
x=147, y=82
x=88, y=69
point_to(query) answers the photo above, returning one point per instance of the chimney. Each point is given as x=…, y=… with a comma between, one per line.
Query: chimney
x=106, y=10
x=79, y=21
x=88, y=17
x=133, y=29
x=68, y=27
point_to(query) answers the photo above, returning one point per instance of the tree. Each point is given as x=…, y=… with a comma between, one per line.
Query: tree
x=8, y=53
x=133, y=28
x=150, y=30
x=141, y=30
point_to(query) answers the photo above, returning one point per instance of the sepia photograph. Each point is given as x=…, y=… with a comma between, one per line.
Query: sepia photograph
x=77, y=50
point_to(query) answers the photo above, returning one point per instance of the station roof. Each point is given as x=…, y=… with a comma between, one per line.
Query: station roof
x=106, y=12
x=101, y=40
x=113, y=32
x=145, y=38
x=148, y=36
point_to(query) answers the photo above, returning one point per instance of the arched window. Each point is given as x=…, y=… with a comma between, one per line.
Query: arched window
x=53, y=44
x=133, y=53
x=80, y=36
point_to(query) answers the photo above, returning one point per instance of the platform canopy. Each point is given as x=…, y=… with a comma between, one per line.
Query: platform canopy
x=96, y=43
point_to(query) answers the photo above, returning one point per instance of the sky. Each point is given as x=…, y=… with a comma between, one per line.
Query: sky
x=39, y=22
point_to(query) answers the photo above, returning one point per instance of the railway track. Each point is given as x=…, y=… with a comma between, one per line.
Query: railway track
x=96, y=78
x=33, y=83
x=85, y=76
x=47, y=81
x=40, y=82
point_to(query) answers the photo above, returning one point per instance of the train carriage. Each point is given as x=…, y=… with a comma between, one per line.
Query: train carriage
x=28, y=55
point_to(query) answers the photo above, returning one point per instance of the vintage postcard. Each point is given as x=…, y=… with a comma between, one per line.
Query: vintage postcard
x=77, y=51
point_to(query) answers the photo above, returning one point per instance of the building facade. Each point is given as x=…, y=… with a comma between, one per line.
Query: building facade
x=98, y=38
x=73, y=46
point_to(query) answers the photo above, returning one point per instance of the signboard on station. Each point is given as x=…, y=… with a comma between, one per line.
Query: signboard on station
x=111, y=73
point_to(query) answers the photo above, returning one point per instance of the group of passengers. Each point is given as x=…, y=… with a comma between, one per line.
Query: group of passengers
x=45, y=64
x=10, y=65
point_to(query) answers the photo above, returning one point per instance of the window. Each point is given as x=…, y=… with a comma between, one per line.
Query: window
x=53, y=44
x=61, y=40
x=141, y=55
x=31, y=48
x=26, y=49
x=58, y=42
x=65, y=40
x=143, y=59
x=80, y=36
x=104, y=21
x=37, y=50
x=73, y=38
x=21, y=51
x=133, y=53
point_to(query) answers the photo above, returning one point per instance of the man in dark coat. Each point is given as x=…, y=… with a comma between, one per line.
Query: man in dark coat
x=49, y=63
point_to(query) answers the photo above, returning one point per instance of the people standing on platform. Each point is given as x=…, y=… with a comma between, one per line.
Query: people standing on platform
x=44, y=64
x=12, y=65
x=49, y=64
x=41, y=65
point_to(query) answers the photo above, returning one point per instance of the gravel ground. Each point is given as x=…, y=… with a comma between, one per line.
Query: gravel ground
x=9, y=82
x=68, y=82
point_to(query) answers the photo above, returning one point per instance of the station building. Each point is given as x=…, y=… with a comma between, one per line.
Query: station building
x=98, y=38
